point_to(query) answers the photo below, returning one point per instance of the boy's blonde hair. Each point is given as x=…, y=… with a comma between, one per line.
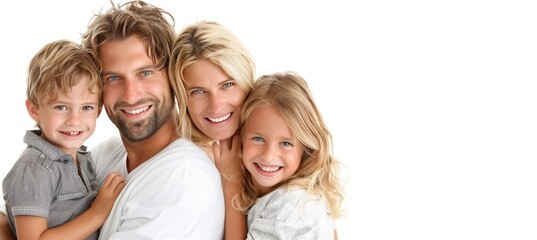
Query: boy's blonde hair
x=58, y=67
x=318, y=171
x=211, y=41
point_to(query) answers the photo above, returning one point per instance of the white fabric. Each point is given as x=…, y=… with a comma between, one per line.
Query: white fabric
x=177, y=194
x=293, y=214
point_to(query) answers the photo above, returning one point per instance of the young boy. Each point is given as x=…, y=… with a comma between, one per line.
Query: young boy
x=51, y=191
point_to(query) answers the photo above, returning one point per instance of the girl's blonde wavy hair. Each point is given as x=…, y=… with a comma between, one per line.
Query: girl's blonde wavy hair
x=290, y=95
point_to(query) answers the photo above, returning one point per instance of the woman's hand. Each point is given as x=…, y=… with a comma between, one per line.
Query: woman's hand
x=227, y=157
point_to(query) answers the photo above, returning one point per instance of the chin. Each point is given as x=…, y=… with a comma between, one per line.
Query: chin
x=221, y=136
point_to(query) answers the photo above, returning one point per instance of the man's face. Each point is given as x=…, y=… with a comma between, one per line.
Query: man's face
x=137, y=95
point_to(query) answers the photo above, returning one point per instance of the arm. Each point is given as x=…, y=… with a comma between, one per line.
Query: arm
x=5, y=230
x=335, y=234
x=228, y=162
x=34, y=227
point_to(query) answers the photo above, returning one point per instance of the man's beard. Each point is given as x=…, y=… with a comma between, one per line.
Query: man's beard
x=144, y=129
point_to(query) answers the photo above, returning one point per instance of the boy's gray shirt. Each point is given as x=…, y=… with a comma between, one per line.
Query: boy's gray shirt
x=45, y=182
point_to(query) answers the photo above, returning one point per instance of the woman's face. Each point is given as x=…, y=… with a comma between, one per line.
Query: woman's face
x=214, y=99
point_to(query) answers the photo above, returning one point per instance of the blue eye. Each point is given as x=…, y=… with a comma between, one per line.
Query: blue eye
x=228, y=85
x=286, y=144
x=61, y=107
x=258, y=139
x=196, y=91
x=88, y=108
x=112, y=78
x=146, y=73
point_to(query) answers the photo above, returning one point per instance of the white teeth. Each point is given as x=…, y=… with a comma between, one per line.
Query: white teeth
x=136, y=111
x=217, y=120
x=268, y=169
x=72, y=133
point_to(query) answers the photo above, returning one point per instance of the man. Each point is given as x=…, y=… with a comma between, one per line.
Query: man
x=173, y=189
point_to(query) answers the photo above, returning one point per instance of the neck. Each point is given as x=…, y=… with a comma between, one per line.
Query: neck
x=140, y=151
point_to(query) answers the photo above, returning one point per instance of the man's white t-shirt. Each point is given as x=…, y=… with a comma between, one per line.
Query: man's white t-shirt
x=177, y=194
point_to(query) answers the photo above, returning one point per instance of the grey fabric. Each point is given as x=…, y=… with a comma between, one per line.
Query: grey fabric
x=45, y=182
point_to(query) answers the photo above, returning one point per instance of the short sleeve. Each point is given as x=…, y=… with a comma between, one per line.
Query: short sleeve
x=29, y=189
x=289, y=215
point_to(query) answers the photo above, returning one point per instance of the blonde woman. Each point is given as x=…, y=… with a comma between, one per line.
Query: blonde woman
x=214, y=72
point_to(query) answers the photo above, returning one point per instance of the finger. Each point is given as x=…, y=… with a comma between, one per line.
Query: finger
x=117, y=179
x=236, y=145
x=109, y=178
x=117, y=184
x=216, y=151
x=228, y=143
x=119, y=187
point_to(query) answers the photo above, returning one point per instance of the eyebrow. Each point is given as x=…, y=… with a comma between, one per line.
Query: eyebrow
x=136, y=70
x=188, y=86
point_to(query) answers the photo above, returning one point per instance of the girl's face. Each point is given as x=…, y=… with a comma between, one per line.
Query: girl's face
x=68, y=120
x=270, y=151
x=214, y=99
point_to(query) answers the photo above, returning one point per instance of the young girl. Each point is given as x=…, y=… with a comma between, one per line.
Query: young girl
x=290, y=188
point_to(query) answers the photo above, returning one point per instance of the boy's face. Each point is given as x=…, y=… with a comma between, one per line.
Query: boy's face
x=271, y=153
x=68, y=120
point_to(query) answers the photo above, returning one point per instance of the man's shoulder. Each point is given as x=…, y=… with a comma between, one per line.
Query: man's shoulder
x=108, y=145
x=186, y=144
x=183, y=163
x=184, y=155
x=185, y=151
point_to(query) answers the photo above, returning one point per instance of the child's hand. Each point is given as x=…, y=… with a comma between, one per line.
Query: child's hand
x=112, y=186
x=227, y=157
x=5, y=230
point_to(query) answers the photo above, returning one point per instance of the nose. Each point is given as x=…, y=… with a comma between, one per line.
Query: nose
x=216, y=103
x=270, y=151
x=131, y=90
x=74, y=118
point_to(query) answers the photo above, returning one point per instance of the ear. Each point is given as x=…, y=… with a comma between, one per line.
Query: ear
x=33, y=110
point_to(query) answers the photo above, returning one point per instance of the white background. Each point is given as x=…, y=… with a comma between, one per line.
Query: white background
x=432, y=104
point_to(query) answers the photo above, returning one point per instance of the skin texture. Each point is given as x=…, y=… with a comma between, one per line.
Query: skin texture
x=229, y=149
x=271, y=153
x=137, y=99
x=214, y=99
x=68, y=120
x=5, y=230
